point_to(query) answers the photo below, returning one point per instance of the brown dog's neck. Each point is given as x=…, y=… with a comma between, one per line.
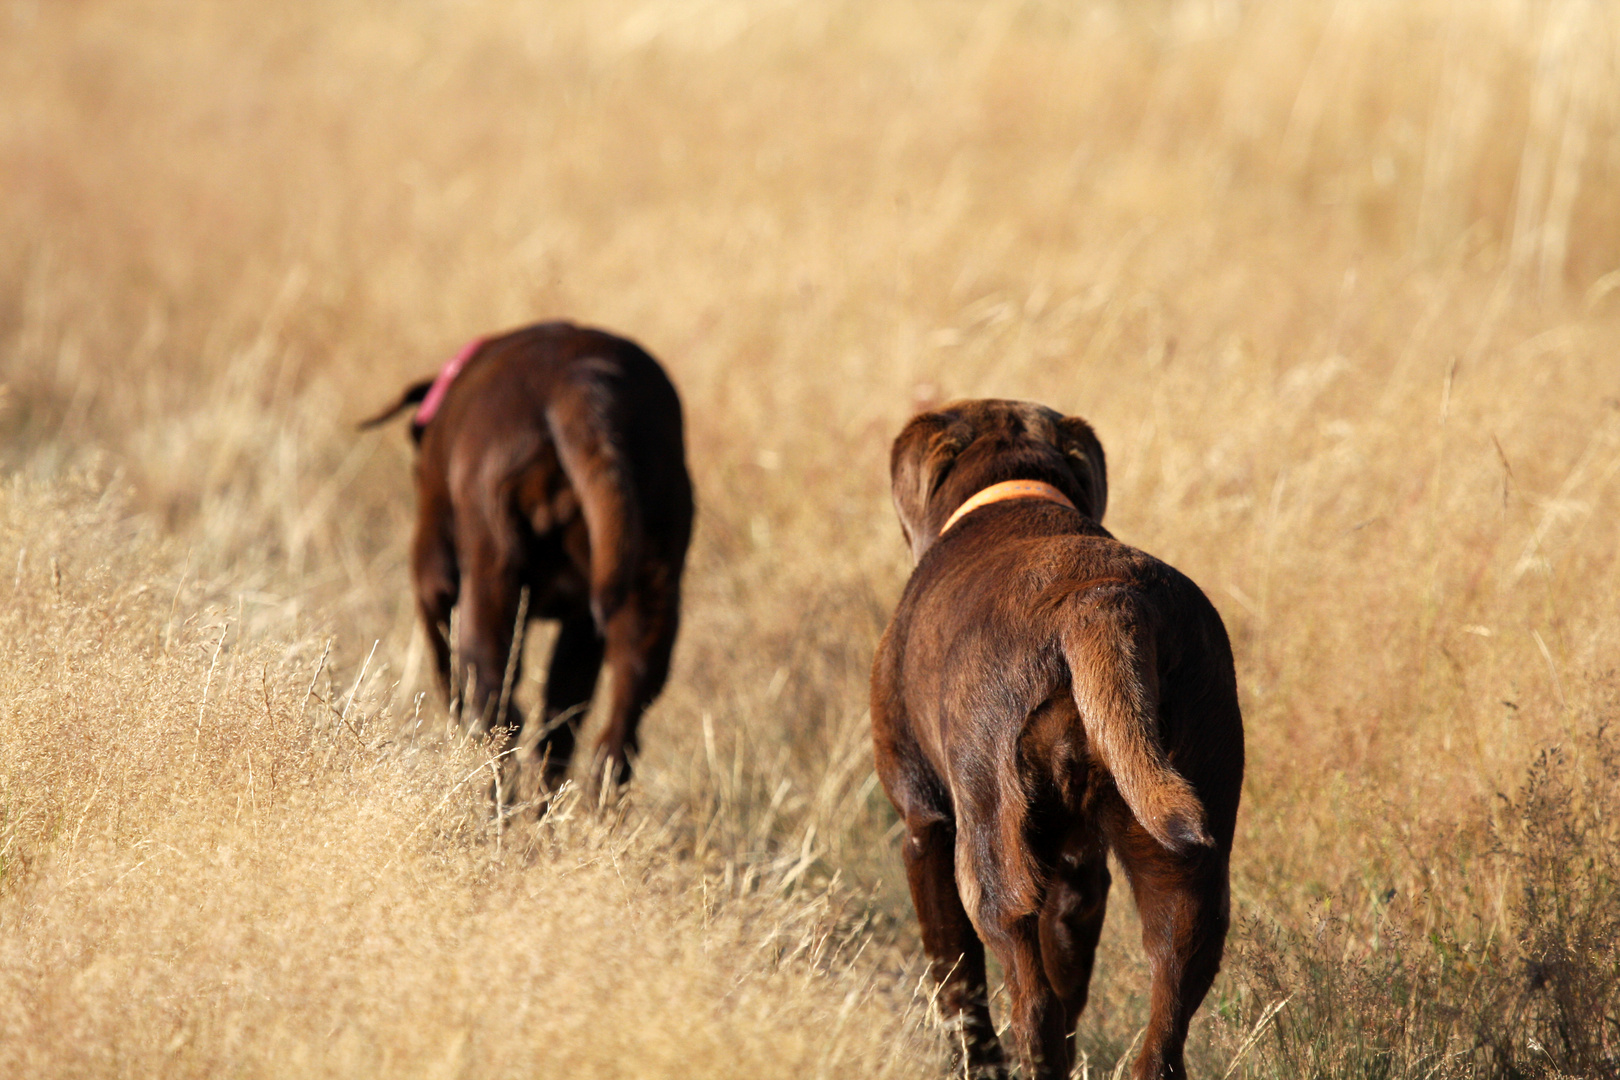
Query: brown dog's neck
x=1007, y=489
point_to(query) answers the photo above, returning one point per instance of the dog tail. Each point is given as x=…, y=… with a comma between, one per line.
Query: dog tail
x=582, y=419
x=1114, y=675
x=413, y=395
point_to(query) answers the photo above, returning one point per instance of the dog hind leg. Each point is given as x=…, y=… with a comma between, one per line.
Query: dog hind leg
x=434, y=573
x=1004, y=893
x=576, y=662
x=955, y=953
x=1071, y=922
x=490, y=588
x=1040, y=1040
x=640, y=637
x=1183, y=903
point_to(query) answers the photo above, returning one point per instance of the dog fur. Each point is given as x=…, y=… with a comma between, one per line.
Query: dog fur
x=555, y=462
x=1045, y=694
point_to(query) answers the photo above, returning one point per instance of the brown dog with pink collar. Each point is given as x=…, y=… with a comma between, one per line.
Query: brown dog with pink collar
x=551, y=467
x=1045, y=695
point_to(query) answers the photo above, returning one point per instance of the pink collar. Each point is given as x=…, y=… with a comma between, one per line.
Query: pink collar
x=441, y=383
x=1007, y=489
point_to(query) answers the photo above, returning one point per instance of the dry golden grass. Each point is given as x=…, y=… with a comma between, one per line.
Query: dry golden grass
x=1337, y=283
x=213, y=868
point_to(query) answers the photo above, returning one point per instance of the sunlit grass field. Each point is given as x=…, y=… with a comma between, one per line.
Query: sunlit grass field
x=1337, y=284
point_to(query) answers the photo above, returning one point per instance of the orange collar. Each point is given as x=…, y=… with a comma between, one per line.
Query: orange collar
x=1008, y=489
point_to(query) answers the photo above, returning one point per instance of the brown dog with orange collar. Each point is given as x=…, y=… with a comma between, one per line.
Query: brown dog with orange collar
x=1045, y=695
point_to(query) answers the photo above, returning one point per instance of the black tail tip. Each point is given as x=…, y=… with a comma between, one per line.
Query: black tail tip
x=1184, y=834
x=413, y=395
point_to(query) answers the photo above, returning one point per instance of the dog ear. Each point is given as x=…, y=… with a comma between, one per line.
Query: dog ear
x=924, y=447
x=1084, y=456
